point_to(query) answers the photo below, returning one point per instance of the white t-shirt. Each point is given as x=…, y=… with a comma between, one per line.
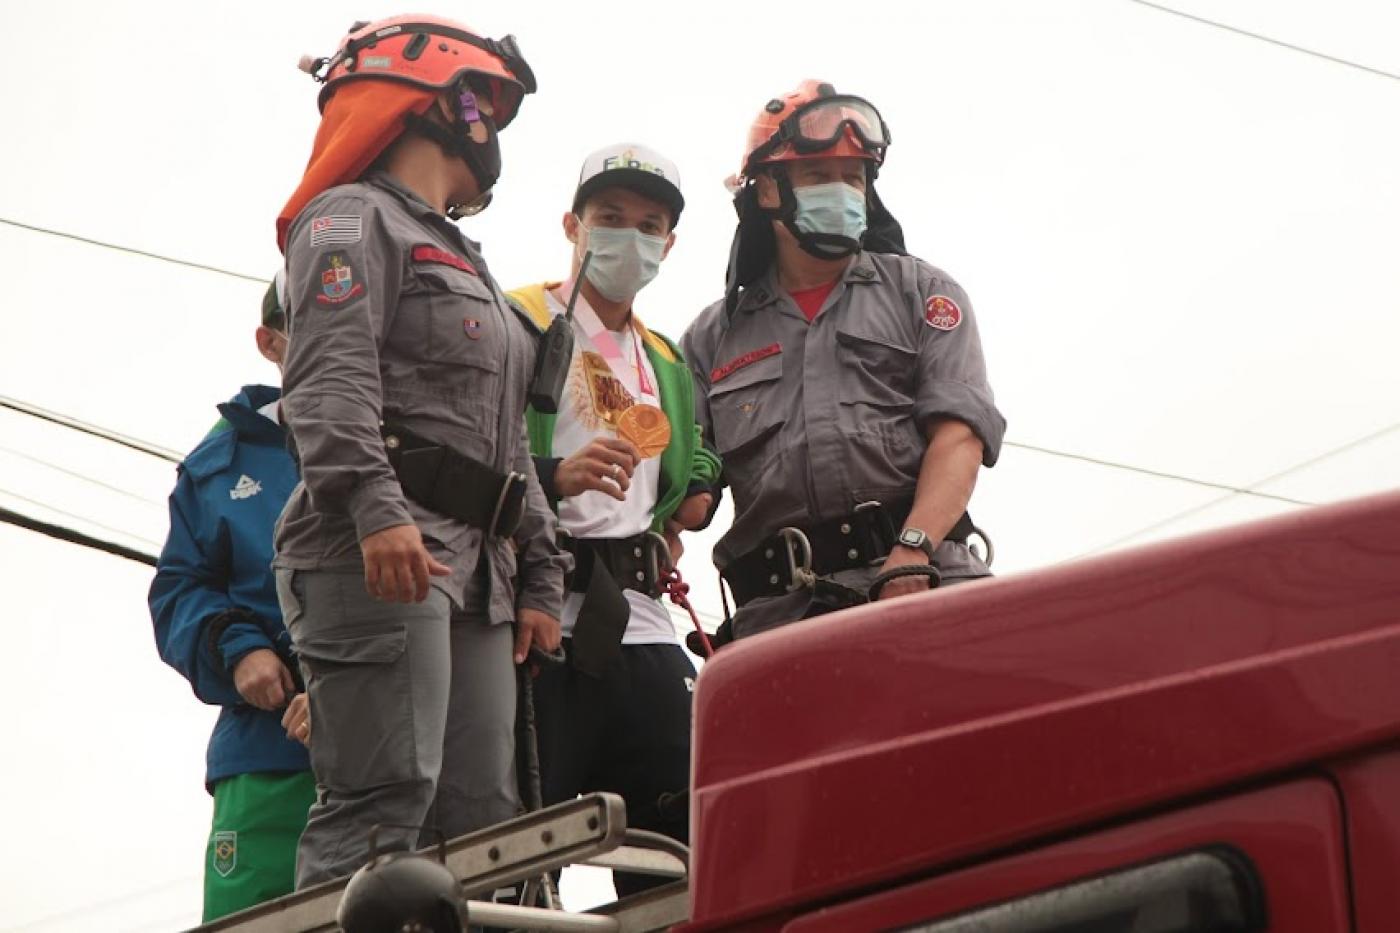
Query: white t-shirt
x=594, y=514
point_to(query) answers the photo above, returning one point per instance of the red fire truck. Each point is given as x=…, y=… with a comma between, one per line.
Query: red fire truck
x=1200, y=735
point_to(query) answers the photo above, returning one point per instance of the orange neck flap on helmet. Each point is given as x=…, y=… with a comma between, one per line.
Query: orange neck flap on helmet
x=360, y=121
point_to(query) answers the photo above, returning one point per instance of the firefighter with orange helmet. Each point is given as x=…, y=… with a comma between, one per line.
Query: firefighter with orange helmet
x=840, y=380
x=406, y=377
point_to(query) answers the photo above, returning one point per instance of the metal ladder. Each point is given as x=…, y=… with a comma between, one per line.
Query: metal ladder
x=591, y=830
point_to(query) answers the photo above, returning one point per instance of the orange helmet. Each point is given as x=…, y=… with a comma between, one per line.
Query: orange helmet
x=431, y=52
x=814, y=122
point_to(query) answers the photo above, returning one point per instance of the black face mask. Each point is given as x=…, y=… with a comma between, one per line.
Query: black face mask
x=484, y=159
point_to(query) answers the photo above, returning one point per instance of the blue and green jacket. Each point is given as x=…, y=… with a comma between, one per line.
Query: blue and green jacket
x=218, y=557
x=687, y=466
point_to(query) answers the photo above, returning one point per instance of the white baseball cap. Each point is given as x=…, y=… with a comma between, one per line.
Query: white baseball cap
x=635, y=167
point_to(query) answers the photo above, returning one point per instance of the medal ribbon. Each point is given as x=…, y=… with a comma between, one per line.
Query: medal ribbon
x=606, y=344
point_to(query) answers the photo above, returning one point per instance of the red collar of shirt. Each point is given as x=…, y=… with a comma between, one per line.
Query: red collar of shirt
x=810, y=300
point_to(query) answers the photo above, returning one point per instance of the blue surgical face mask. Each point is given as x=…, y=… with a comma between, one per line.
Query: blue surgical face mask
x=624, y=260
x=836, y=209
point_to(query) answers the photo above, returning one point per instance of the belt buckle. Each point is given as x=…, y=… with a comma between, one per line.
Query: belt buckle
x=882, y=533
x=799, y=557
x=510, y=507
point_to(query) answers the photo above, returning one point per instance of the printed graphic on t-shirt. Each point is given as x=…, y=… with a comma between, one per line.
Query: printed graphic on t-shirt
x=599, y=397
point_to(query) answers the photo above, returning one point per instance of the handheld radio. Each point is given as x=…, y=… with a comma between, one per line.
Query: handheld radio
x=555, y=351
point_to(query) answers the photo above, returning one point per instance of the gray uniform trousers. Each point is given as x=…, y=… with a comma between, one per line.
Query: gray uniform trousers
x=412, y=715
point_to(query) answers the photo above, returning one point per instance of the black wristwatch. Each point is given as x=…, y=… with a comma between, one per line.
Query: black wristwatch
x=913, y=537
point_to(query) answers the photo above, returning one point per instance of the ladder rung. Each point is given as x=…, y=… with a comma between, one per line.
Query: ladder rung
x=639, y=860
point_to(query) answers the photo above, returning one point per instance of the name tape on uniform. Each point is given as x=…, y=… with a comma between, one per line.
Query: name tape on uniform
x=442, y=257
x=335, y=230
x=739, y=362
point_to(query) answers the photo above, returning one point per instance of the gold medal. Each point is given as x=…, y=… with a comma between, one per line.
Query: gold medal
x=647, y=427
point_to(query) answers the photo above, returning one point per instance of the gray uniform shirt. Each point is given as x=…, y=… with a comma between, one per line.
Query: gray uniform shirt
x=394, y=314
x=811, y=420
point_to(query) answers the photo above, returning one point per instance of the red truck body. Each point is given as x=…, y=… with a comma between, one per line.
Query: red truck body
x=906, y=762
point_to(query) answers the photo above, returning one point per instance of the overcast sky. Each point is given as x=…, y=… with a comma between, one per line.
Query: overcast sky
x=1179, y=242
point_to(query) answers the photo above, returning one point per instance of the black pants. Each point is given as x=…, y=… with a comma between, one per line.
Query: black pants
x=627, y=733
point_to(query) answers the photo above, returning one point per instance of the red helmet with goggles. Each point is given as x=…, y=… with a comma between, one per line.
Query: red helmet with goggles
x=431, y=52
x=814, y=122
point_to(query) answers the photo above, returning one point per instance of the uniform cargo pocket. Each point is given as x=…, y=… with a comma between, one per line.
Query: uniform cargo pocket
x=369, y=648
x=361, y=708
x=746, y=406
x=878, y=371
x=462, y=320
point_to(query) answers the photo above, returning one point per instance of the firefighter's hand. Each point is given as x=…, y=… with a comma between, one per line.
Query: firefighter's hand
x=297, y=720
x=691, y=513
x=901, y=556
x=263, y=680
x=539, y=628
x=606, y=465
x=397, y=565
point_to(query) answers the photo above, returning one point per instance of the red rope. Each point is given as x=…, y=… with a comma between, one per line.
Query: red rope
x=676, y=588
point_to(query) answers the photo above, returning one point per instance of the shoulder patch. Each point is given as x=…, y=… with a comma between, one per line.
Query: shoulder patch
x=336, y=230
x=431, y=254
x=338, y=285
x=942, y=312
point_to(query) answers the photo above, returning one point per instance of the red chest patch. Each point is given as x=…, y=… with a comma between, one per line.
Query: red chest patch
x=942, y=312
x=442, y=257
x=739, y=362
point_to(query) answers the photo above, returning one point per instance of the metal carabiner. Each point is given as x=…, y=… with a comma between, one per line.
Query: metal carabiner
x=799, y=558
x=991, y=551
x=656, y=545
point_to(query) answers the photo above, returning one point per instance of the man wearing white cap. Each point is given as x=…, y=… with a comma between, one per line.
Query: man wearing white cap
x=622, y=461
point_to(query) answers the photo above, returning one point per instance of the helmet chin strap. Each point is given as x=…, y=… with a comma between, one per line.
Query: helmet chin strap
x=482, y=159
x=826, y=246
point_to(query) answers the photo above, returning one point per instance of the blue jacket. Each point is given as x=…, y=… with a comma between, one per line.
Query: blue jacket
x=218, y=556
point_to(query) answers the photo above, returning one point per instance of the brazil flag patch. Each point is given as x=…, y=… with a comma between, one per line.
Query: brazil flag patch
x=225, y=852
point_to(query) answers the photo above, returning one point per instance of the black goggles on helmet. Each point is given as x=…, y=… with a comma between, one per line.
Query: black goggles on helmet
x=507, y=49
x=818, y=124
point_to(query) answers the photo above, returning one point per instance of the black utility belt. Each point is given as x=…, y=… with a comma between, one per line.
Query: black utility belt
x=453, y=484
x=633, y=562
x=788, y=560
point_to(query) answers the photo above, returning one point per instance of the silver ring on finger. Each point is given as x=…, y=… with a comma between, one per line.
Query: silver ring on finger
x=616, y=470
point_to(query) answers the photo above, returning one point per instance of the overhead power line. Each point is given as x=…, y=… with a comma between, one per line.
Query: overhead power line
x=1312, y=461
x=106, y=434
x=174, y=457
x=1225, y=487
x=50, y=465
x=57, y=511
x=262, y=280
x=75, y=537
x=1262, y=38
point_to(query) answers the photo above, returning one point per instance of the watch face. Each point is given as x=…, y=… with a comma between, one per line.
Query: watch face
x=912, y=537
